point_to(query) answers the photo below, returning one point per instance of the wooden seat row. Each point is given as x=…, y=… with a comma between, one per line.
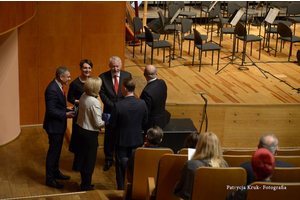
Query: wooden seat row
x=156, y=172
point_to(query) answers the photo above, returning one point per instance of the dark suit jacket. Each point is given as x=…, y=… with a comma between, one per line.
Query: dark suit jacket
x=107, y=92
x=250, y=174
x=127, y=117
x=55, y=120
x=155, y=95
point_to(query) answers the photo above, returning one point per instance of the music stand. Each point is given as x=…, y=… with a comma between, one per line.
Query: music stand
x=243, y=53
x=233, y=20
x=212, y=7
x=270, y=18
x=175, y=29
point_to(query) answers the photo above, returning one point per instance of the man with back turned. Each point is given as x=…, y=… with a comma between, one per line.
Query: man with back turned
x=155, y=96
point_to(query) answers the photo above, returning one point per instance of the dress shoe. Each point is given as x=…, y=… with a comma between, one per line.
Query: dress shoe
x=87, y=188
x=60, y=176
x=54, y=184
x=107, y=166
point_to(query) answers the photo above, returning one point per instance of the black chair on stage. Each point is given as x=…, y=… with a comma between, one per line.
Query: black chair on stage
x=186, y=27
x=156, y=44
x=167, y=28
x=139, y=34
x=286, y=35
x=209, y=46
x=267, y=35
x=204, y=8
x=183, y=13
x=224, y=30
x=241, y=32
x=292, y=12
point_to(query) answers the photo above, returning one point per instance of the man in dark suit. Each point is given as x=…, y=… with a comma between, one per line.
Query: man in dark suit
x=127, y=117
x=155, y=96
x=270, y=142
x=110, y=93
x=55, y=124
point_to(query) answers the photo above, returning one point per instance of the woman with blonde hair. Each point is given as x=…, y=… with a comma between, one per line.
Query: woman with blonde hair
x=87, y=128
x=208, y=154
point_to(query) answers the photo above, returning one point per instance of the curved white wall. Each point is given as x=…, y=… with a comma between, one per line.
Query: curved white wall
x=9, y=87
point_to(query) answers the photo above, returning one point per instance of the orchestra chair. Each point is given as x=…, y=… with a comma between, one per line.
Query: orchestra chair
x=203, y=47
x=156, y=45
x=236, y=160
x=286, y=174
x=290, y=152
x=204, y=8
x=293, y=160
x=286, y=35
x=290, y=191
x=186, y=27
x=267, y=35
x=183, y=13
x=212, y=182
x=292, y=12
x=139, y=33
x=241, y=32
x=145, y=165
x=239, y=152
x=170, y=166
x=223, y=29
x=166, y=27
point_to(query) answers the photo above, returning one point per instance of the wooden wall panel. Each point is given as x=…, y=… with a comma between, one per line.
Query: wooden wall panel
x=15, y=13
x=242, y=125
x=28, y=72
x=62, y=34
x=103, y=31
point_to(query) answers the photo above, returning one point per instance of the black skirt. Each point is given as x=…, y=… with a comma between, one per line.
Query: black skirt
x=84, y=146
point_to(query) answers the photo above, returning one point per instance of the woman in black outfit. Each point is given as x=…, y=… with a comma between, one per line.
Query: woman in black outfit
x=76, y=90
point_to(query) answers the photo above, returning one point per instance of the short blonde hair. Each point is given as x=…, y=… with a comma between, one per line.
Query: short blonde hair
x=208, y=148
x=92, y=86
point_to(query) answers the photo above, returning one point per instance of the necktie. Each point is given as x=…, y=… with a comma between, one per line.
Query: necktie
x=62, y=88
x=116, y=84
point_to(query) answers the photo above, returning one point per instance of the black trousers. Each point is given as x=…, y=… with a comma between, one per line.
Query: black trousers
x=109, y=141
x=121, y=154
x=53, y=155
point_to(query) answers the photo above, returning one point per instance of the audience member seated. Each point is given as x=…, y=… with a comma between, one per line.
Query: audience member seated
x=191, y=140
x=262, y=163
x=152, y=139
x=208, y=154
x=270, y=142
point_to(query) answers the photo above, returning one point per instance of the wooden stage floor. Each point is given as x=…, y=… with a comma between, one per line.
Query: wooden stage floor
x=230, y=85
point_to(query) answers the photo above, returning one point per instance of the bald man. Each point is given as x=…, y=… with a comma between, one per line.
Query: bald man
x=155, y=96
x=270, y=142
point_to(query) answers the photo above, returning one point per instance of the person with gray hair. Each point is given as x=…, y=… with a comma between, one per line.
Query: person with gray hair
x=110, y=93
x=268, y=141
x=55, y=124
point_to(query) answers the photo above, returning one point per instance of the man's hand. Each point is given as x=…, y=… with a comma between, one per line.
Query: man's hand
x=70, y=114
